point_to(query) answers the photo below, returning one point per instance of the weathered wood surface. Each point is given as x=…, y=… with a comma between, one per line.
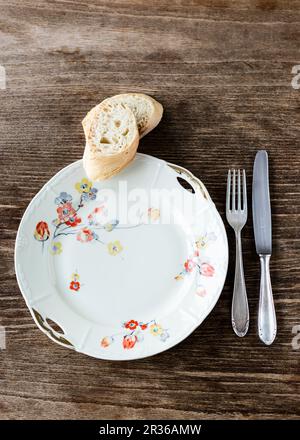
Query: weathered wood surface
x=222, y=70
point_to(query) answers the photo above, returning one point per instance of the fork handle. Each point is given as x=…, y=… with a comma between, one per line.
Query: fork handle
x=267, y=325
x=239, y=309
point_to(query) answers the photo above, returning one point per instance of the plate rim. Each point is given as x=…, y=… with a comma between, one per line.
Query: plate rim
x=180, y=170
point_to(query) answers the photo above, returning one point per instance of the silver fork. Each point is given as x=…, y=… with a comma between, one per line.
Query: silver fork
x=236, y=213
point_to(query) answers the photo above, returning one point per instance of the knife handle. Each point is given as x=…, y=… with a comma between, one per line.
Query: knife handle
x=239, y=308
x=267, y=326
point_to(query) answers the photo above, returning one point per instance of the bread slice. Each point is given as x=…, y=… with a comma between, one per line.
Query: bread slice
x=147, y=111
x=111, y=140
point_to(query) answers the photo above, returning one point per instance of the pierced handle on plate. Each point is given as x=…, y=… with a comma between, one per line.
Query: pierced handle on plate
x=48, y=326
x=189, y=177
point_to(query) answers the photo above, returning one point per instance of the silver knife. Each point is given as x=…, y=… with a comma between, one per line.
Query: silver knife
x=261, y=208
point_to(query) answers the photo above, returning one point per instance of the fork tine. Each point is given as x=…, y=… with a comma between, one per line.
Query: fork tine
x=233, y=191
x=239, y=190
x=244, y=191
x=228, y=191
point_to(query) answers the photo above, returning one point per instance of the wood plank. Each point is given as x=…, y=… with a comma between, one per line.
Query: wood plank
x=223, y=73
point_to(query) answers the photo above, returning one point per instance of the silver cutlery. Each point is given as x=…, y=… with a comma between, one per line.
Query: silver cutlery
x=236, y=214
x=261, y=207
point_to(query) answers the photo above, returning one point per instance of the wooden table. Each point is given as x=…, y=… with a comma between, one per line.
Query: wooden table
x=223, y=73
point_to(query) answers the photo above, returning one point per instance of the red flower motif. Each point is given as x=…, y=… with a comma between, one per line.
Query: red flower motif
x=65, y=212
x=189, y=265
x=41, y=232
x=75, y=285
x=131, y=325
x=129, y=341
x=99, y=209
x=85, y=235
x=73, y=221
x=96, y=216
x=207, y=270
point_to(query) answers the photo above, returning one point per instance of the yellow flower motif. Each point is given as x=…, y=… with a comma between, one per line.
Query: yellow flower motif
x=156, y=329
x=75, y=277
x=153, y=214
x=56, y=248
x=114, y=247
x=201, y=243
x=111, y=225
x=84, y=186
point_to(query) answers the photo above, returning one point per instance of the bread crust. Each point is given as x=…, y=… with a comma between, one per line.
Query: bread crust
x=154, y=117
x=99, y=165
x=104, y=167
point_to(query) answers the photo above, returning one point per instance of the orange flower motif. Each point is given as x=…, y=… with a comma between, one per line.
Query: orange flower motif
x=106, y=341
x=75, y=285
x=189, y=265
x=156, y=329
x=129, y=341
x=207, y=270
x=85, y=235
x=41, y=232
x=131, y=325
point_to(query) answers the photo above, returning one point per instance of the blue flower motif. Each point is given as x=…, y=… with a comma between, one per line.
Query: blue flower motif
x=63, y=198
x=91, y=195
x=164, y=336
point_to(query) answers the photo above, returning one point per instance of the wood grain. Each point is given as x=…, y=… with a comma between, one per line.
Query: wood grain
x=222, y=70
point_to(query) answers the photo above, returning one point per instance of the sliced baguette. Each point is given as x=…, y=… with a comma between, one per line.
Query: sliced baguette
x=111, y=141
x=147, y=111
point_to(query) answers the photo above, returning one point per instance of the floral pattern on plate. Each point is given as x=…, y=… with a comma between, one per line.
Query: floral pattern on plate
x=88, y=314
x=42, y=232
x=75, y=284
x=134, y=333
x=70, y=222
x=197, y=263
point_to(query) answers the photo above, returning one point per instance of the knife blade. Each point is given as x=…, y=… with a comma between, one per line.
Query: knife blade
x=261, y=207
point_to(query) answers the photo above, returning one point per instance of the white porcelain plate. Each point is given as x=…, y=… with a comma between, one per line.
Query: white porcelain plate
x=124, y=268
